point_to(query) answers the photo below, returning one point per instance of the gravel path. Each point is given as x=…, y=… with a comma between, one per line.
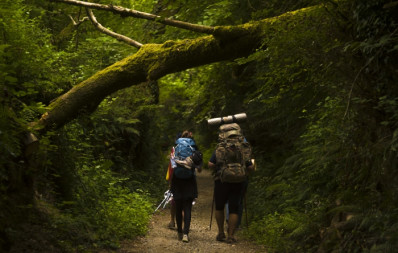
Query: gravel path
x=202, y=239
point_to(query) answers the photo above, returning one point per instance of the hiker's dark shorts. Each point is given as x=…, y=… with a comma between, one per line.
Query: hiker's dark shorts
x=227, y=192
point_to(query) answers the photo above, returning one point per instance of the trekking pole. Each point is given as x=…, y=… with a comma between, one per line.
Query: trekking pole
x=159, y=205
x=247, y=222
x=167, y=196
x=167, y=200
x=212, y=207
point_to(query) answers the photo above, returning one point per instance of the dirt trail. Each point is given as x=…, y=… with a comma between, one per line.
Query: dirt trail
x=202, y=239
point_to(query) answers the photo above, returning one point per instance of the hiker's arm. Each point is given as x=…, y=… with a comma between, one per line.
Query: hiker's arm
x=211, y=165
x=249, y=166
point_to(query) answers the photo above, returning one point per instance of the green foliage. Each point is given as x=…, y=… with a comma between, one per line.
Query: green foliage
x=96, y=182
x=25, y=61
x=113, y=210
x=277, y=231
x=100, y=171
x=336, y=151
x=261, y=9
x=33, y=65
x=41, y=57
x=320, y=94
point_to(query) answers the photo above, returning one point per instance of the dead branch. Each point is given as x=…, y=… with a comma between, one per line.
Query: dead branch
x=79, y=22
x=143, y=15
x=117, y=36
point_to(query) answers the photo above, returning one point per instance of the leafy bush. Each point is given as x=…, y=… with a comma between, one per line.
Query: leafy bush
x=113, y=211
x=277, y=231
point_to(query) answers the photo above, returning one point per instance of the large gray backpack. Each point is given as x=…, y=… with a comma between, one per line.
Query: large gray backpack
x=232, y=152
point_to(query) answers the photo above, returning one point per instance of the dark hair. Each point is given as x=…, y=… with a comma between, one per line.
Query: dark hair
x=186, y=134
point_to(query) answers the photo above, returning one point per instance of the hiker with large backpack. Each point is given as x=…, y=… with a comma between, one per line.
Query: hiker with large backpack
x=231, y=161
x=187, y=158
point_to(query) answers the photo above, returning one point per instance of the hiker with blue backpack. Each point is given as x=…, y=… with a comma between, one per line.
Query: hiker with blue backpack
x=231, y=162
x=187, y=158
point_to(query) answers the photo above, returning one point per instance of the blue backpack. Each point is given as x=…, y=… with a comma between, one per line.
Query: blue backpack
x=184, y=149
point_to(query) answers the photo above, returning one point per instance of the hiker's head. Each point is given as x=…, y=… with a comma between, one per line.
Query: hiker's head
x=186, y=134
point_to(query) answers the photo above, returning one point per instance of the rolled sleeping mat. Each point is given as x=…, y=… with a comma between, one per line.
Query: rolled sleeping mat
x=228, y=119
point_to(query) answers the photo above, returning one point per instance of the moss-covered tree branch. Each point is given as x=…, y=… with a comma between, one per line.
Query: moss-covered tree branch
x=154, y=61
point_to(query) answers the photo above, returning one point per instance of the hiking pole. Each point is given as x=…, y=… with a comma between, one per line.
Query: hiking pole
x=212, y=207
x=159, y=205
x=247, y=222
x=167, y=200
x=167, y=196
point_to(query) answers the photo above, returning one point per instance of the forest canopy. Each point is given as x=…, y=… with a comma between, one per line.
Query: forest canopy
x=102, y=87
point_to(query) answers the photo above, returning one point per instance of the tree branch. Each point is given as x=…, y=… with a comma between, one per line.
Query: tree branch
x=79, y=22
x=151, y=62
x=110, y=33
x=143, y=15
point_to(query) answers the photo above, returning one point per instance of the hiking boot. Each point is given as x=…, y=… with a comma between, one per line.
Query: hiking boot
x=231, y=240
x=185, y=238
x=220, y=237
x=171, y=225
x=180, y=236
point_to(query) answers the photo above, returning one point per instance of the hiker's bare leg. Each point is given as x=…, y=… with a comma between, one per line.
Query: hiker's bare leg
x=232, y=222
x=172, y=212
x=220, y=221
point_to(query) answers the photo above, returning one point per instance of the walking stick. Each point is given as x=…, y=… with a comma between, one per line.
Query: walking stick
x=247, y=222
x=167, y=196
x=212, y=207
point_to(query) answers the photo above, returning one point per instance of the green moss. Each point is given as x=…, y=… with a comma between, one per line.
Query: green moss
x=168, y=43
x=230, y=32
